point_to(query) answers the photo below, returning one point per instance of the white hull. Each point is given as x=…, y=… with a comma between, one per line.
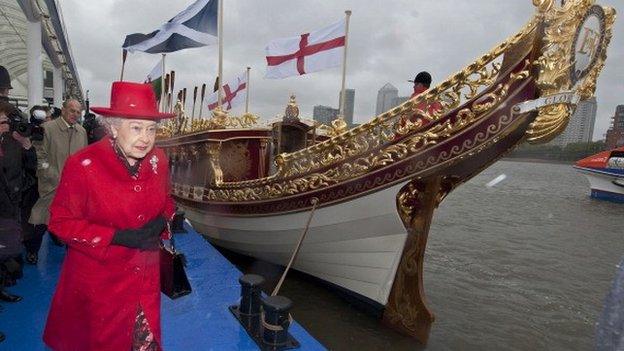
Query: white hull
x=356, y=244
x=603, y=181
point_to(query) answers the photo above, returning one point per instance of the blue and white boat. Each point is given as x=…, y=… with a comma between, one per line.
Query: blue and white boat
x=605, y=172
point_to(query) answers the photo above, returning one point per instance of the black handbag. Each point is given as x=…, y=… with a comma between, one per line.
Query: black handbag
x=173, y=280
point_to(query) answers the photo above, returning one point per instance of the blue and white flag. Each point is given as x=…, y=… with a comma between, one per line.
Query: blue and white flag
x=194, y=27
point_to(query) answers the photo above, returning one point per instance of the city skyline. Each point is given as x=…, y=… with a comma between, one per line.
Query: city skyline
x=615, y=134
x=324, y=114
x=349, y=105
x=580, y=128
x=385, y=98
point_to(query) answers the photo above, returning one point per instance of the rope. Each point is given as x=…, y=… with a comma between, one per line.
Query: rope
x=315, y=202
x=274, y=327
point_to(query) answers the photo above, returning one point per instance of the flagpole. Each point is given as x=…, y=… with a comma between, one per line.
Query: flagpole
x=220, y=33
x=344, y=65
x=162, y=85
x=123, y=63
x=247, y=95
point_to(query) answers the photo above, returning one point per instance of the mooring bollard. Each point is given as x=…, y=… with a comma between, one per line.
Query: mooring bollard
x=250, y=294
x=177, y=224
x=276, y=320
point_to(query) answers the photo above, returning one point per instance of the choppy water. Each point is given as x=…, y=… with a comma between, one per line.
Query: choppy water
x=521, y=265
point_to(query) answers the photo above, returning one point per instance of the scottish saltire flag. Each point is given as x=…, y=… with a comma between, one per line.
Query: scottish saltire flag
x=306, y=53
x=194, y=27
x=234, y=93
x=155, y=79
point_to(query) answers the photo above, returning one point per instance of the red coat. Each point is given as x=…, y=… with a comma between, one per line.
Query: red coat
x=102, y=285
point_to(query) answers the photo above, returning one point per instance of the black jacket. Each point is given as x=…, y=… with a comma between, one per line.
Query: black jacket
x=15, y=162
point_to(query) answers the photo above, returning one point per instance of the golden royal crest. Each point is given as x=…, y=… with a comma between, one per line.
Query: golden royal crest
x=588, y=43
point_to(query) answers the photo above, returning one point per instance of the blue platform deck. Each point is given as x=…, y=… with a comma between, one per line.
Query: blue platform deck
x=199, y=321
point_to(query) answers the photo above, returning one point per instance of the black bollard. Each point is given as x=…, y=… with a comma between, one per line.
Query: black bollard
x=271, y=332
x=276, y=321
x=250, y=294
x=177, y=224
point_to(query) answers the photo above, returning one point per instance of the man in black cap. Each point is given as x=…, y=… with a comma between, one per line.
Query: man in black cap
x=5, y=84
x=422, y=82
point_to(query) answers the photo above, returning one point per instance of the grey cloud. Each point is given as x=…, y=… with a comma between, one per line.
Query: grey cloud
x=390, y=41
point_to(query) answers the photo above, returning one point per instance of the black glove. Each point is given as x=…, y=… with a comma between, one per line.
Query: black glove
x=145, y=238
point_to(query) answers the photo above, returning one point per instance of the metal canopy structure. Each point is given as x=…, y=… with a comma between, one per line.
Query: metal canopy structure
x=20, y=21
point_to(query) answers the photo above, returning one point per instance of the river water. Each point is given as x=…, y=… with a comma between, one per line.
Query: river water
x=523, y=264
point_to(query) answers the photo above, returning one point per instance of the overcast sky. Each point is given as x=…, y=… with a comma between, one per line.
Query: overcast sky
x=389, y=41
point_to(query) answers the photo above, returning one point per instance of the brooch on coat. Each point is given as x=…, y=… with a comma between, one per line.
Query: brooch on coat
x=154, y=163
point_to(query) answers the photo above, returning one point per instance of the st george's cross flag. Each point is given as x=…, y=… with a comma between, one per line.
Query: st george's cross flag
x=306, y=53
x=194, y=27
x=234, y=93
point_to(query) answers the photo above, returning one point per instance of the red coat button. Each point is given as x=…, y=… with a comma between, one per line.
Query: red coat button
x=137, y=188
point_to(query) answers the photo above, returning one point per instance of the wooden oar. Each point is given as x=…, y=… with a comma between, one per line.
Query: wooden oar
x=172, y=86
x=201, y=105
x=194, y=102
x=164, y=105
x=169, y=102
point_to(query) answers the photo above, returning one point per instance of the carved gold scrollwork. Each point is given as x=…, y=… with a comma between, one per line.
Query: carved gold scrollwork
x=356, y=147
x=407, y=308
x=182, y=124
x=461, y=87
x=555, y=63
x=216, y=174
x=543, y=5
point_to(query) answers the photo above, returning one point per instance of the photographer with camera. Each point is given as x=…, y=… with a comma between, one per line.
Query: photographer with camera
x=32, y=240
x=17, y=157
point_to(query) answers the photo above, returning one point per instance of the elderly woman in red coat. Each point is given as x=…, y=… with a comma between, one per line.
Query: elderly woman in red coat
x=111, y=209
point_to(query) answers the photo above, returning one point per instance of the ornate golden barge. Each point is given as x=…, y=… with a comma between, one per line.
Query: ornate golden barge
x=249, y=188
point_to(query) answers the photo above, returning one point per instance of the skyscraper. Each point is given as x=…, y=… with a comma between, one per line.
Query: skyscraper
x=349, y=103
x=385, y=98
x=324, y=114
x=615, y=134
x=399, y=100
x=580, y=128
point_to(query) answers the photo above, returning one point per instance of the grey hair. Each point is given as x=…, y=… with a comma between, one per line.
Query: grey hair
x=108, y=122
x=70, y=99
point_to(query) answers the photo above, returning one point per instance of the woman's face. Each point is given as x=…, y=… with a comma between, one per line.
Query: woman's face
x=135, y=137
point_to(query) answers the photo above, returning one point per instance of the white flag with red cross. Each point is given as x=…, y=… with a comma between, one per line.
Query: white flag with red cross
x=234, y=93
x=307, y=53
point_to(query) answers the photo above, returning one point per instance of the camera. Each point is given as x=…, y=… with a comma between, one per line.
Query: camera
x=25, y=129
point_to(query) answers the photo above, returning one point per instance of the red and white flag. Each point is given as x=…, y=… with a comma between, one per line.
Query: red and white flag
x=234, y=93
x=307, y=53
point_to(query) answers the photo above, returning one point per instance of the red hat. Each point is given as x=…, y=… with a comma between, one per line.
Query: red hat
x=132, y=100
